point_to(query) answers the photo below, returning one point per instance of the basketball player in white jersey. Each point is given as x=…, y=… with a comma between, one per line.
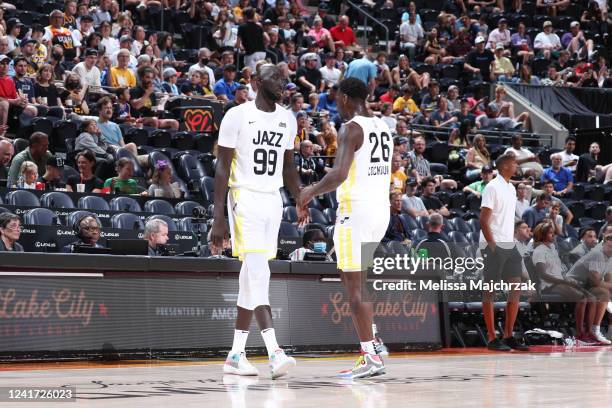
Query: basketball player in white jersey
x=361, y=174
x=255, y=156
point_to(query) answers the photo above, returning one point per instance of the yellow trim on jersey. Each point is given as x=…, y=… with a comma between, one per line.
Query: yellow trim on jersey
x=238, y=238
x=232, y=178
x=345, y=260
x=345, y=204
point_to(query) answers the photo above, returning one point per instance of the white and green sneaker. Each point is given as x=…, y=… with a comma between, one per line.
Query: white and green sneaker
x=280, y=364
x=367, y=365
x=237, y=363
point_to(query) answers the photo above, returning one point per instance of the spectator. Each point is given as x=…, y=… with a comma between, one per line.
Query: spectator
x=547, y=43
x=321, y=35
x=562, y=177
x=521, y=43
x=432, y=203
x=89, y=74
x=522, y=203
x=87, y=229
x=500, y=35
x=23, y=84
x=328, y=138
x=387, y=116
x=57, y=34
x=125, y=43
x=170, y=78
x=45, y=91
x=504, y=69
x=434, y=51
x=52, y=179
x=556, y=219
x=155, y=233
x=568, y=158
x=552, y=7
x=343, y=34
x=37, y=153
x=441, y=117
x=533, y=215
x=411, y=204
x=522, y=238
x=587, y=162
x=110, y=131
x=309, y=167
x=89, y=139
x=529, y=164
x=480, y=61
x=123, y=183
x=204, y=55
x=588, y=241
x=608, y=222
x=193, y=87
x=144, y=101
x=396, y=231
x=398, y=175
x=6, y=155
x=461, y=45
x=313, y=241
x=430, y=100
x=73, y=96
x=241, y=96
x=225, y=87
x=364, y=70
x=411, y=35
x=251, y=38
x=477, y=187
x=330, y=74
x=549, y=188
x=327, y=102
x=404, y=104
x=161, y=182
x=10, y=102
x=122, y=75
x=86, y=162
x=576, y=43
x=10, y=231
x=422, y=165
x=28, y=173
x=309, y=78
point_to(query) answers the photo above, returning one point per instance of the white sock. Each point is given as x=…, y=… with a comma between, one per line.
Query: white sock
x=595, y=328
x=374, y=329
x=240, y=339
x=368, y=346
x=269, y=337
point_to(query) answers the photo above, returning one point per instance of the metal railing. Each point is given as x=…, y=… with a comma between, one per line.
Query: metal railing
x=367, y=16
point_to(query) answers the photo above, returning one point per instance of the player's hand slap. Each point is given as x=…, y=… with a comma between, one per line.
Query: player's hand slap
x=302, y=206
x=218, y=234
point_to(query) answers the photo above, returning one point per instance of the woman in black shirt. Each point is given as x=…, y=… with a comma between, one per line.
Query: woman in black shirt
x=86, y=162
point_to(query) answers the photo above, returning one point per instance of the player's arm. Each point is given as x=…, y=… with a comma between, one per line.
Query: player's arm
x=291, y=178
x=222, y=173
x=350, y=139
x=486, y=214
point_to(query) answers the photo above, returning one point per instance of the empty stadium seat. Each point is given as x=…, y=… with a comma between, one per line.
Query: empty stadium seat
x=93, y=203
x=40, y=216
x=186, y=207
x=461, y=225
x=125, y=204
x=458, y=237
x=290, y=214
x=172, y=227
x=473, y=237
x=288, y=230
x=317, y=217
x=422, y=221
x=190, y=168
x=207, y=188
x=286, y=197
x=159, y=207
x=330, y=213
x=56, y=199
x=409, y=222
x=186, y=224
x=474, y=223
x=418, y=235
x=22, y=198
x=126, y=221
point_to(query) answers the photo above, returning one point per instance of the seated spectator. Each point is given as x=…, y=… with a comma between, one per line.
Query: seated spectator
x=587, y=163
x=430, y=100
x=552, y=7
x=313, y=241
x=52, y=179
x=390, y=95
x=506, y=108
x=303, y=130
x=522, y=203
x=309, y=167
x=11, y=104
x=547, y=44
x=480, y=61
x=28, y=173
x=533, y=215
x=86, y=162
x=225, y=87
x=10, y=231
x=591, y=272
x=23, y=84
x=608, y=222
x=549, y=188
x=329, y=72
x=405, y=105
x=575, y=41
x=122, y=75
x=161, y=182
x=308, y=77
x=432, y=203
x=321, y=35
x=588, y=241
x=477, y=187
x=553, y=78
x=45, y=91
x=441, y=117
x=568, y=158
x=529, y=163
x=73, y=96
x=241, y=96
x=556, y=219
x=87, y=229
x=422, y=165
x=327, y=102
x=87, y=71
x=522, y=238
x=6, y=155
x=328, y=138
x=395, y=230
x=521, y=43
x=343, y=34
x=411, y=35
x=562, y=178
x=452, y=98
x=155, y=233
x=477, y=157
x=504, y=69
x=123, y=183
x=204, y=55
x=398, y=175
x=500, y=35
x=37, y=152
x=411, y=204
x=434, y=51
x=170, y=78
x=461, y=45
x=144, y=102
x=89, y=139
x=383, y=72
x=387, y=116
x=526, y=77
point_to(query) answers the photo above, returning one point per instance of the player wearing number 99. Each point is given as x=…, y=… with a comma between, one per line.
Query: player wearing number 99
x=361, y=174
x=255, y=157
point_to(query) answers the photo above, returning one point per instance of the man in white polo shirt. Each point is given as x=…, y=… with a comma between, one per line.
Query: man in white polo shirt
x=502, y=261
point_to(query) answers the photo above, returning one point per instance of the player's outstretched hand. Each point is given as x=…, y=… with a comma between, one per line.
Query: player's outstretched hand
x=218, y=234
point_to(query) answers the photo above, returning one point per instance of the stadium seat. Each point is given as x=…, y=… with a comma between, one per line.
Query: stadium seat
x=126, y=221
x=207, y=188
x=186, y=224
x=186, y=207
x=418, y=235
x=93, y=203
x=288, y=230
x=40, y=216
x=396, y=247
x=409, y=222
x=596, y=210
x=159, y=207
x=182, y=140
x=3, y=210
x=458, y=237
x=330, y=213
x=462, y=226
x=474, y=223
x=123, y=152
x=190, y=169
x=595, y=193
x=157, y=155
x=22, y=198
x=315, y=203
x=473, y=237
x=290, y=214
x=317, y=217
x=68, y=172
x=62, y=131
x=422, y=221
x=286, y=197
x=577, y=208
x=125, y=204
x=448, y=225
x=137, y=136
x=56, y=199
x=171, y=224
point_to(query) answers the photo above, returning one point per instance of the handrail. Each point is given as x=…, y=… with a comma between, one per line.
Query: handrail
x=377, y=21
x=499, y=135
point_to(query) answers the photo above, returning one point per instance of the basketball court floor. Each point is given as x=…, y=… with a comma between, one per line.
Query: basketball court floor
x=551, y=376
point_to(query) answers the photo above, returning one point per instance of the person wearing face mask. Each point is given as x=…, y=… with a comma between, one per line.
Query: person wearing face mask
x=202, y=65
x=314, y=241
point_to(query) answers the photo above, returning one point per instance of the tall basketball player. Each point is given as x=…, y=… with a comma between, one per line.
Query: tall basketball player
x=361, y=174
x=255, y=156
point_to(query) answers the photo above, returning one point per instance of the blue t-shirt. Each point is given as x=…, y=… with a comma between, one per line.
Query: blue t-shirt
x=110, y=132
x=223, y=88
x=561, y=179
x=362, y=69
x=328, y=105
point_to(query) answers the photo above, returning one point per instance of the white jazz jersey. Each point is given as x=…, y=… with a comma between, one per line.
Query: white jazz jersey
x=363, y=198
x=255, y=207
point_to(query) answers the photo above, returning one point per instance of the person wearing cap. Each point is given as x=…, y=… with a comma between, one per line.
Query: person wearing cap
x=52, y=179
x=343, y=34
x=85, y=24
x=322, y=9
x=309, y=78
x=169, y=85
x=10, y=101
x=87, y=70
x=13, y=33
x=23, y=84
x=504, y=69
x=329, y=72
x=251, y=39
x=57, y=34
x=121, y=76
x=28, y=48
x=547, y=43
x=411, y=203
x=576, y=43
x=477, y=187
x=501, y=35
x=225, y=87
x=480, y=61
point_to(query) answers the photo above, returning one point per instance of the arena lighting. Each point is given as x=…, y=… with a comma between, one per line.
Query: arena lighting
x=56, y=274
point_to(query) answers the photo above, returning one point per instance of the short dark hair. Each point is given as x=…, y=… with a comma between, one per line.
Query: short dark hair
x=518, y=223
x=584, y=230
x=37, y=137
x=569, y=138
x=19, y=59
x=87, y=154
x=544, y=196
x=548, y=181
x=7, y=217
x=249, y=12
x=122, y=162
x=426, y=181
x=354, y=88
x=103, y=101
x=501, y=160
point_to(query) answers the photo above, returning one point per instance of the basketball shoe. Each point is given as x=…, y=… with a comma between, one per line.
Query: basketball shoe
x=237, y=363
x=600, y=338
x=280, y=364
x=367, y=365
